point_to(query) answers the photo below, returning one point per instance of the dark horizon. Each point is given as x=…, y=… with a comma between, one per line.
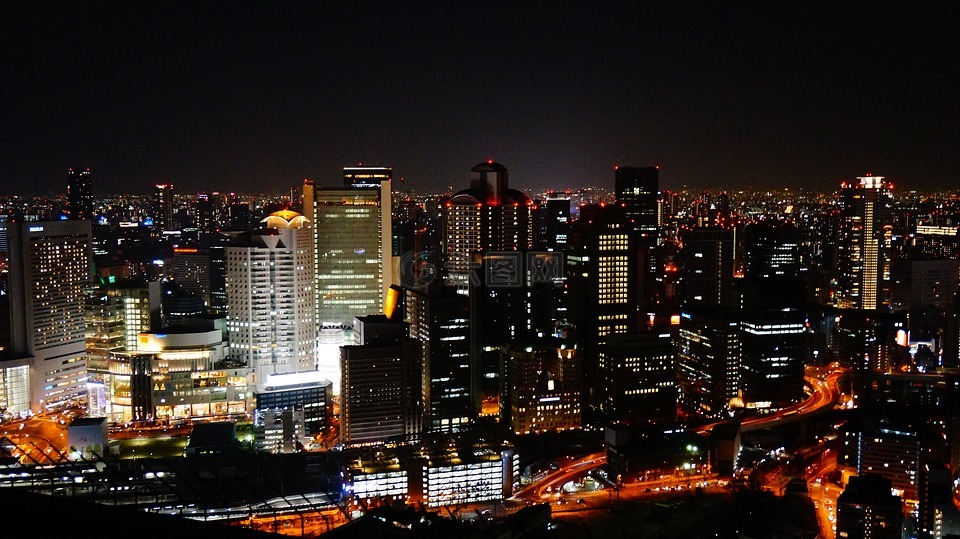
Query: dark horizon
x=223, y=97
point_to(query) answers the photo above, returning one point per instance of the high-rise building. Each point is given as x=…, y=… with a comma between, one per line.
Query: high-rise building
x=864, y=244
x=353, y=257
x=708, y=360
x=771, y=250
x=382, y=392
x=772, y=342
x=270, y=300
x=79, y=194
x=489, y=216
x=553, y=223
x=50, y=277
x=640, y=373
x=440, y=319
x=638, y=192
x=707, y=267
x=352, y=249
x=163, y=208
x=540, y=386
x=603, y=278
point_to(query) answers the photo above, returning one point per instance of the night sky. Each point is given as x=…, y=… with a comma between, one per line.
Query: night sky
x=256, y=96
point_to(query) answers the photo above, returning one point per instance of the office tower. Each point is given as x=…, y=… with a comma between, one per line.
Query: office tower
x=552, y=218
x=353, y=260
x=163, y=208
x=382, y=392
x=79, y=194
x=489, y=216
x=637, y=191
x=708, y=360
x=772, y=249
x=540, y=386
x=208, y=212
x=352, y=249
x=270, y=299
x=706, y=263
x=440, y=319
x=215, y=245
x=937, y=515
x=640, y=373
x=191, y=271
x=864, y=244
x=772, y=342
x=867, y=509
x=50, y=277
x=603, y=277
x=240, y=215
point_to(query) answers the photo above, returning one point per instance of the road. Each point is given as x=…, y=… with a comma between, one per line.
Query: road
x=825, y=393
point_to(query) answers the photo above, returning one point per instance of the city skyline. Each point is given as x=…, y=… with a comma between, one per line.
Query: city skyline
x=256, y=100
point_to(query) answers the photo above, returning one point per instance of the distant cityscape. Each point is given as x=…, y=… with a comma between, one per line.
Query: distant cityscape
x=355, y=358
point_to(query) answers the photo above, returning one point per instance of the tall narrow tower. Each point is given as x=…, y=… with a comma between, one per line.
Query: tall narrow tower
x=79, y=194
x=864, y=243
x=353, y=258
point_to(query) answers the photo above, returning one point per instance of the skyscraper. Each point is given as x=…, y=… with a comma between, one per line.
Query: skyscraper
x=50, y=277
x=489, y=216
x=864, y=243
x=383, y=391
x=706, y=267
x=637, y=191
x=79, y=194
x=353, y=258
x=352, y=249
x=163, y=208
x=440, y=319
x=270, y=313
x=603, y=274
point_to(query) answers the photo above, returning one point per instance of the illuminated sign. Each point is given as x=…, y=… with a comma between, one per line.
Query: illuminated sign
x=35, y=229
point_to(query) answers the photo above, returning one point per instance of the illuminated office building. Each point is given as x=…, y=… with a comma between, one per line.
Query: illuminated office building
x=382, y=391
x=641, y=381
x=771, y=250
x=163, y=208
x=440, y=319
x=864, y=244
x=50, y=276
x=353, y=257
x=540, y=386
x=270, y=300
x=708, y=361
x=116, y=314
x=637, y=192
x=489, y=216
x=602, y=269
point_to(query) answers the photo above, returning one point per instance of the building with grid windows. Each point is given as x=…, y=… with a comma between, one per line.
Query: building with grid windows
x=50, y=277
